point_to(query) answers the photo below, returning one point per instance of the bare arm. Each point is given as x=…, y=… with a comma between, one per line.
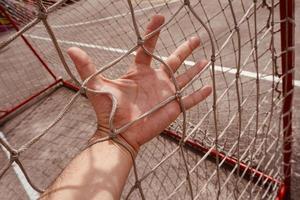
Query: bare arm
x=100, y=172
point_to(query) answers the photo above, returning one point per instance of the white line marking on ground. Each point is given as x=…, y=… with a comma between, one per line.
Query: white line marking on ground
x=31, y=193
x=137, y=12
x=187, y=62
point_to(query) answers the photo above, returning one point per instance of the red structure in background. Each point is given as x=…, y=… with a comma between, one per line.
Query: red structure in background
x=287, y=15
x=21, y=11
x=5, y=24
x=27, y=100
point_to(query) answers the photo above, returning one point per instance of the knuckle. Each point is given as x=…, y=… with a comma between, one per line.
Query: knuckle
x=174, y=60
x=179, y=58
x=190, y=46
x=86, y=61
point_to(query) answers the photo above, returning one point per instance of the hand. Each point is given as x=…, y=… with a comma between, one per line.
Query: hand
x=142, y=88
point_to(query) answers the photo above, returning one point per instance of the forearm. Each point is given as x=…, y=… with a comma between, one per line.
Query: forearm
x=99, y=172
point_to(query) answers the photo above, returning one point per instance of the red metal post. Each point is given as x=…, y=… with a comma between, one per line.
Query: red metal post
x=28, y=43
x=30, y=98
x=70, y=86
x=281, y=192
x=27, y=100
x=258, y=175
x=287, y=16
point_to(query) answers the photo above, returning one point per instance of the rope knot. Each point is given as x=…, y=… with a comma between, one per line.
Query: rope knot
x=113, y=134
x=140, y=41
x=82, y=90
x=14, y=155
x=137, y=184
x=187, y=2
x=213, y=58
x=236, y=27
x=178, y=95
x=42, y=15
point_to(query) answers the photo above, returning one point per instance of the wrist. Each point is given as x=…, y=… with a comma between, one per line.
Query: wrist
x=103, y=135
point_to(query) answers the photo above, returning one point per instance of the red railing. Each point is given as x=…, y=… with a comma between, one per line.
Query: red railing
x=44, y=64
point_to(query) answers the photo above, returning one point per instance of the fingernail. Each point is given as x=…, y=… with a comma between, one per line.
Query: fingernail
x=209, y=89
x=195, y=39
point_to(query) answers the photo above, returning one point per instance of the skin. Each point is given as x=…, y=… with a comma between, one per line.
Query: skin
x=101, y=171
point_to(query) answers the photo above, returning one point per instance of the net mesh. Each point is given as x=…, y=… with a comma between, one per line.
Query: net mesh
x=228, y=147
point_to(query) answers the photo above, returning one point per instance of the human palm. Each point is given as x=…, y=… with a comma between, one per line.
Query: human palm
x=141, y=88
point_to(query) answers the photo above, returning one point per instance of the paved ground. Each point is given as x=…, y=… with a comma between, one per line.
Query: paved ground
x=89, y=24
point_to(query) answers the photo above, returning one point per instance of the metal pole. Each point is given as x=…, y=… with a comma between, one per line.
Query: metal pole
x=287, y=16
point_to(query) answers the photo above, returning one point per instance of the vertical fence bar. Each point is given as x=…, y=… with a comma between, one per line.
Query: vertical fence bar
x=287, y=16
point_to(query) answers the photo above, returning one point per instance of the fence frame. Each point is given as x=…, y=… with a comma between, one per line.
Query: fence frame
x=287, y=17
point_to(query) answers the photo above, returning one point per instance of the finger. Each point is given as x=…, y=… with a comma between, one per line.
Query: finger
x=82, y=61
x=142, y=57
x=181, y=53
x=188, y=75
x=196, y=97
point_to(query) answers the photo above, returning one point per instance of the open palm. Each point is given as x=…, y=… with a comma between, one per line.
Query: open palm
x=142, y=88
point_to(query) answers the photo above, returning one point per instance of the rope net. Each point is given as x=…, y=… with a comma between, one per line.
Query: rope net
x=227, y=147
